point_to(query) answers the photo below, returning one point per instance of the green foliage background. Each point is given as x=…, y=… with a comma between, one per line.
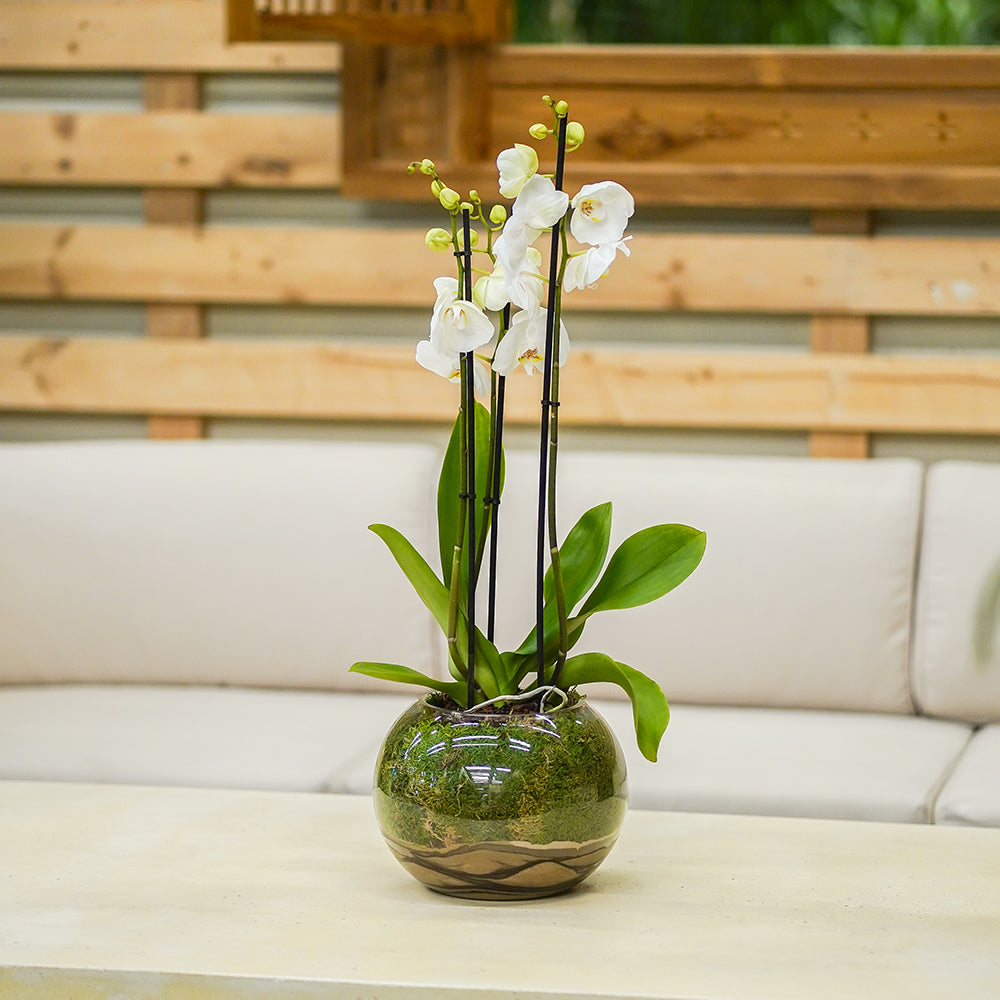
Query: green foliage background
x=765, y=22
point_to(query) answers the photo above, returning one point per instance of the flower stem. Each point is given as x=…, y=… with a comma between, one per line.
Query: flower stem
x=469, y=487
x=549, y=444
x=493, y=500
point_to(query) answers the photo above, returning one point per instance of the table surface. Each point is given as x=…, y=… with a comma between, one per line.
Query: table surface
x=178, y=894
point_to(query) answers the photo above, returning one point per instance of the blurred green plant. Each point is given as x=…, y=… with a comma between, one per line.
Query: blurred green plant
x=768, y=22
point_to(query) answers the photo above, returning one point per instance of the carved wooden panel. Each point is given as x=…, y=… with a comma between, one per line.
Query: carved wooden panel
x=815, y=129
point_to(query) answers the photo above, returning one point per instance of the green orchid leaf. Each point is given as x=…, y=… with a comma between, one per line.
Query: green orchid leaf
x=526, y=653
x=435, y=597
x=406, y=675
x=449, y=501
x=650, y=711
x=422, y=578
x=646, y=566
x=582, y=555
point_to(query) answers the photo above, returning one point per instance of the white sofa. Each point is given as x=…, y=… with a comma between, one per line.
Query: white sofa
x=185, y=613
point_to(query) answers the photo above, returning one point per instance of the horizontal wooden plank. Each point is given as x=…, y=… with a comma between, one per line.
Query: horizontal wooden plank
x=600, y=387
x=371, y=266
x=171, y=148
x=142, y=35
x=552, y=67
x=835, y=126
x=727, y=185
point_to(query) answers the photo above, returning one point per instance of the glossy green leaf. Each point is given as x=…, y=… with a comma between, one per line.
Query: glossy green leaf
x=435, y=597
x=422, y=578
x=450, y=487
x=646, y=566
x=406, y=675
x=582, y=555
x=650, y=711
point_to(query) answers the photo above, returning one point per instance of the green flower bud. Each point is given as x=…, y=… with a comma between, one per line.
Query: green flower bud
x=436, y=188
x=438, y=239
x=547, y=100
x=467, y=206
x=473, y=238
x=427, y=166
x=574, y=135
x=538, y=131
x=449, y=199
x=561, y=109
x=474, y=197
x=498, y=215
x=412, y=168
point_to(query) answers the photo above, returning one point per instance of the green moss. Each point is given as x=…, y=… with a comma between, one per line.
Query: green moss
x=448, y=778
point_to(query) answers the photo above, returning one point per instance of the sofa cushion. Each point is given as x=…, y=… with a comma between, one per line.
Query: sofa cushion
x=961, y=547
x=781, y=762
x=196, y=736
x=971, y=796
x=243, y=562
x=803, y=597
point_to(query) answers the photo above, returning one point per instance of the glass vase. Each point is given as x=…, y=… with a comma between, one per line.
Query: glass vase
x=500, y=804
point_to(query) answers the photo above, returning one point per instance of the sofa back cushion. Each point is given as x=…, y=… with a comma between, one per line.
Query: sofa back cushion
x=213, y=562
x=960, y=551
x=802, y=599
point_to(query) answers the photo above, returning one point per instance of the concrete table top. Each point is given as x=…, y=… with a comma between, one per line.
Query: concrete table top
x=127, y=893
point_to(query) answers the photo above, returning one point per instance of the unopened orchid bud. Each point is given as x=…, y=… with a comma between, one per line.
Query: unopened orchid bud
x=561, y=108
x=436, y=188
x=473, y=239
x=538, y=131
x=474, y=198
x=412, y=168
x=467, y=206
x=574, y=135
x=547, y=100
x=427, y=166
x=438, y=239
x=449, y=199
x=498, y=215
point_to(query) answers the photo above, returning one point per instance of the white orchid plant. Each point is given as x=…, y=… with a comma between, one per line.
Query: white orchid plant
x=501, y=313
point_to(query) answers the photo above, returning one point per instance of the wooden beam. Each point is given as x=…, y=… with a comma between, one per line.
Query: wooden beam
x=607, y=387
x=154, y=35
x=359, y=266
x=182, y=208
x=181, y=148
x=840, y=334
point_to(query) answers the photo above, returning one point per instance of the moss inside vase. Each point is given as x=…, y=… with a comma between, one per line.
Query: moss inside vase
x=447, y=778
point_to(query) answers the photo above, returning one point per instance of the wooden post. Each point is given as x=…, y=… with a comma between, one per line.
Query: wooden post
x=840, y=334
x=174, y=207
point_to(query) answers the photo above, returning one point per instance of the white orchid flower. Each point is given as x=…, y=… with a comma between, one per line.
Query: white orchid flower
x=460, y=326
x=524, y=344
x=539, y=205
x=516, y=165
x=447, y=292
x=583, y=270
x=449, y=366
x=520, y=263
x=601, y=213
x=490, y=291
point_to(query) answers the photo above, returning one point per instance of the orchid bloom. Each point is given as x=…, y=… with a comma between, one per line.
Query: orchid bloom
x=584, y=269
x=449, y=366
x=519, y=267
x=516, y=166
x=539, y=205
x=460, y=326
x=524, y=344
x=601, y=213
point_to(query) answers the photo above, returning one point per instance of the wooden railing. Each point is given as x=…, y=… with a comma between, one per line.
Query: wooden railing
x=176, y=265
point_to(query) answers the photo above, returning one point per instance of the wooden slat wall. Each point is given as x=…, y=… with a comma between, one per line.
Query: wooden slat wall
x=840, y=275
